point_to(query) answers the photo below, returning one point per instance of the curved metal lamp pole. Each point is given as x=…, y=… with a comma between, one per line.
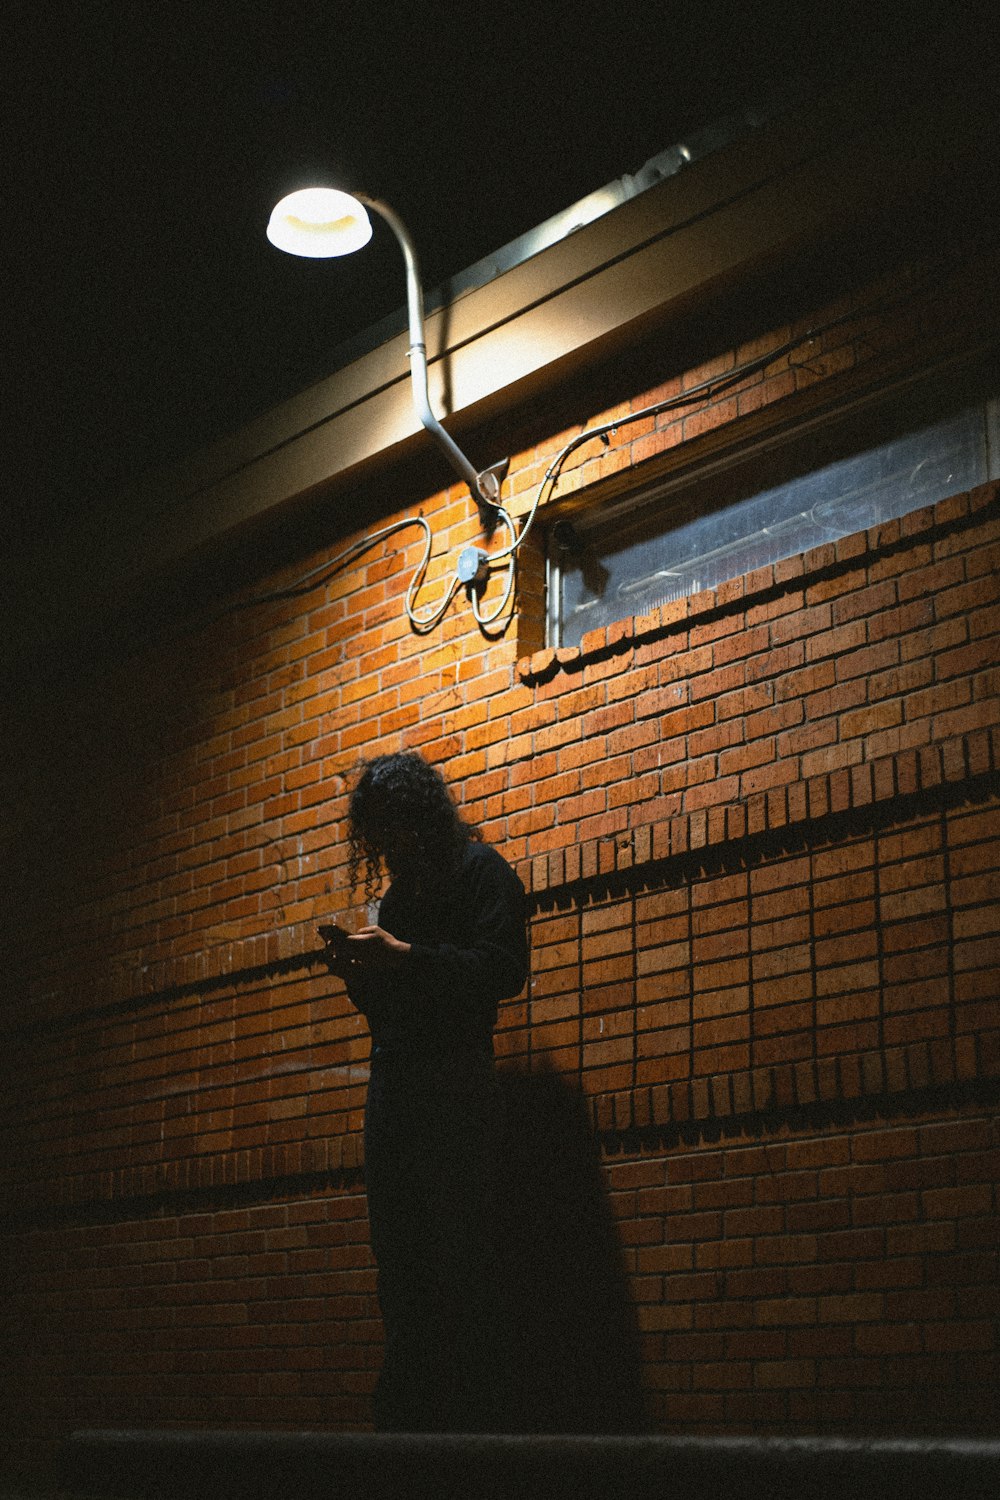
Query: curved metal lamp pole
x=321, y=222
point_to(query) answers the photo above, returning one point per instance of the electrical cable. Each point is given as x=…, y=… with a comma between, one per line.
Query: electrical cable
x=317, y=576
x=422, y=623
x=610, y=429
x=320, y=575
x=709, y=388
x=509, y=553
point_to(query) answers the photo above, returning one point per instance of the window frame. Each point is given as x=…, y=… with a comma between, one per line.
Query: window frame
x=741, y=455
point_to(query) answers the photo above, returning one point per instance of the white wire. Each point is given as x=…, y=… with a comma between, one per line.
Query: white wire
x=492, y=560
x=423, y=623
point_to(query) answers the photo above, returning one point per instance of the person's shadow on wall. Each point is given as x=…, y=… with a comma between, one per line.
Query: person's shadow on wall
x=571, y=1342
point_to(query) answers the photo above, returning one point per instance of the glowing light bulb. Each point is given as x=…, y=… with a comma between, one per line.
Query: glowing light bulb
x=319, y=222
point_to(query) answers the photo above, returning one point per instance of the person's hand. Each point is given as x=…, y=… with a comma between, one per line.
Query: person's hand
x=338, y=959
x=373, y=947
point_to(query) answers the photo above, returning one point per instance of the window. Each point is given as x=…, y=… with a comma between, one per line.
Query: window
x=819, y=484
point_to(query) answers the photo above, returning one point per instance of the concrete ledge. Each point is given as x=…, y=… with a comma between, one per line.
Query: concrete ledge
x=231, y=1465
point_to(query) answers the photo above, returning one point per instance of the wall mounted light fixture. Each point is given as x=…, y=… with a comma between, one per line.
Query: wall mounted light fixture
x=319, y=222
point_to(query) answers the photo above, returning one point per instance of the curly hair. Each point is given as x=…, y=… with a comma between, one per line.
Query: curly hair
x=402, y=793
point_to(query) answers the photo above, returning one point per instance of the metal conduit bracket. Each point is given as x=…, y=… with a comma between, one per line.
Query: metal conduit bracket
x=322, y=222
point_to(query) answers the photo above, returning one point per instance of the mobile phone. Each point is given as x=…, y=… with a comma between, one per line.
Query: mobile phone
x=331, y=933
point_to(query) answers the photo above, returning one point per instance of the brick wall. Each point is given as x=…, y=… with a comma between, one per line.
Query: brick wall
x=832, y=1279
x=759, y=829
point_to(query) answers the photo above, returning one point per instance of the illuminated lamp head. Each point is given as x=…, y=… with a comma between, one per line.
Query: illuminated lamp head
x=319, y=222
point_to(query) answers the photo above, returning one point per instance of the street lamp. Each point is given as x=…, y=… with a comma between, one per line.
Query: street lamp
x=319, y=222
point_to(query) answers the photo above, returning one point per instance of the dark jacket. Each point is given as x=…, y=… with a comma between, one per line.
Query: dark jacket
x=468, y=952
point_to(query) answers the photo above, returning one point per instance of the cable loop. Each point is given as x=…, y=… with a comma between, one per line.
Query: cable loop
x=422, y=623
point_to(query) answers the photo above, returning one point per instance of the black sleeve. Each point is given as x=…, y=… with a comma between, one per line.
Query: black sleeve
x=490, y=959
x=363, y=990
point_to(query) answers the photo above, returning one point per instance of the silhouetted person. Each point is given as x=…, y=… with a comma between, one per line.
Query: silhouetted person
x=449, y=945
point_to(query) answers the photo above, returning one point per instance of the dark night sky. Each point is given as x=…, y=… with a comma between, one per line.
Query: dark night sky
x=148, y=141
